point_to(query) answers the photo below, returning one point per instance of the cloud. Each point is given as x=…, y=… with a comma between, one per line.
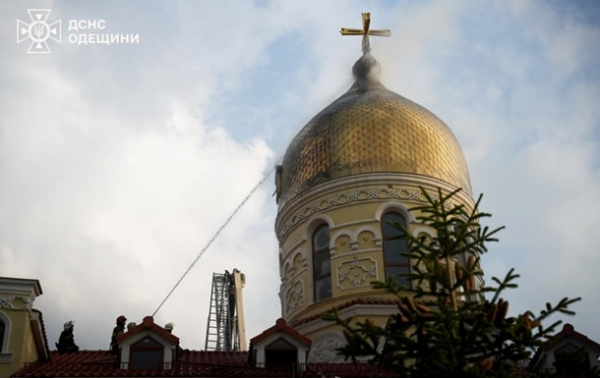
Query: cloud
x=113, y=179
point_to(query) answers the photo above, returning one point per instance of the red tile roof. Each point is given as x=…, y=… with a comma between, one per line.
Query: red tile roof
x=213, y=357
x=102, y=363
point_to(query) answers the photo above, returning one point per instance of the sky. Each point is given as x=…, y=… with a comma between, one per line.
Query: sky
x=118, y=163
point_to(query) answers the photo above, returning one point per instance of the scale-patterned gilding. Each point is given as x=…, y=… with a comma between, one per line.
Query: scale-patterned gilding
x=372, y=129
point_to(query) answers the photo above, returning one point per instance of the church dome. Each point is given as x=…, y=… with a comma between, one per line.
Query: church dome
x=371, y=129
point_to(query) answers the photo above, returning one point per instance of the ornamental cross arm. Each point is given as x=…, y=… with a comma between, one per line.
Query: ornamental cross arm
x=366, y=32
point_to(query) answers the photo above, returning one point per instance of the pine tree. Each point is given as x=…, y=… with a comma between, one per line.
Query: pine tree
x=449, y=324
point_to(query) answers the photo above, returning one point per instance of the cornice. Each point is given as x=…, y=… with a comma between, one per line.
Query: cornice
x=356, y=189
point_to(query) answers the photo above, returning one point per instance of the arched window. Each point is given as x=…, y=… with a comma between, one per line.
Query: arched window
x=396, y=265
x=2, y=331
x=321, y=263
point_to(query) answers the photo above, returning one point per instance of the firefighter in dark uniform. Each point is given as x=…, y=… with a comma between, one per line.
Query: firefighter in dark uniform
x=66, y=342
x=119, y=329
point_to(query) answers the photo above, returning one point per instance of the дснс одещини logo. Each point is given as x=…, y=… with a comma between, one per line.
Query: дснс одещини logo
x=38, y=31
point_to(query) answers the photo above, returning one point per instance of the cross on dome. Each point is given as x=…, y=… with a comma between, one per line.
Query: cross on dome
x=366, y=32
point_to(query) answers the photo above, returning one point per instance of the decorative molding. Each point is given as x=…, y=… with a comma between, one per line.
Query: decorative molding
x=7, y=302
x=6, y=358
x=335, y=240
x=414, y=195
x=423, y=230
x=294, y=296
x=299, y=261
x=395, y=185
x=359, y=195
x=424, y=283
x=355, y=273
x=20, y=287
x=324, y=349
x=287, y=252
x=285, y=280
x=376, y=231
x=4, y=355
x=359, y=222
x=315, y=221
x=354, y=253
x=293, y=266
x=368, y=310
x=27, y=303
x=397, y=207
x=365, y=310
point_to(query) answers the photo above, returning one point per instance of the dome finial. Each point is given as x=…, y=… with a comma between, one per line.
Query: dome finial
x=366, y=32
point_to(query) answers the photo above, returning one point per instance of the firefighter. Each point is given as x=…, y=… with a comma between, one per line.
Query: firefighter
x=119, y=329
x=66, y=341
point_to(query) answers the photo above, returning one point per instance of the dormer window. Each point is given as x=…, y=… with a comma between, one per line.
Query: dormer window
x=280, y=346
x=280, y=353
x=146, y=354
x=147, y=346
x=572, y=361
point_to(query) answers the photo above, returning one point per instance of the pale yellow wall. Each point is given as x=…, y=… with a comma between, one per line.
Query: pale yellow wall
x=21, y=343
x=17, y=297
x=355, y=236
x=29, y=351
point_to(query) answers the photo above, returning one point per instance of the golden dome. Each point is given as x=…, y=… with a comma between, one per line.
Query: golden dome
x=371, y=129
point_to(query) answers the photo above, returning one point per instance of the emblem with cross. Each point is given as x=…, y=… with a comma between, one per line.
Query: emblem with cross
x=38, y=31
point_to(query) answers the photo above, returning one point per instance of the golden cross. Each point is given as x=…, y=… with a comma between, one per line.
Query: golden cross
x=366, y=32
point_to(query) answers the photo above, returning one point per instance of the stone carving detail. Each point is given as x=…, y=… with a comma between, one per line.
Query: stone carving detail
x=353, y=196
x=27, y=304
x=293, y=267
x=356, y=196
x=423, y=268
x=356, y=273
x=414, y=195
x=294, y=296
x=299, y=263
x=373, y=194
x=333, y=201
x=342, y=244
x=393, y=193
x=366, y=239
x=6, y=302
x=287, y=271
x=324, y=349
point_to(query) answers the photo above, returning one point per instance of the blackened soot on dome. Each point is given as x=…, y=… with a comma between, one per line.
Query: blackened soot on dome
x=366, y=71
